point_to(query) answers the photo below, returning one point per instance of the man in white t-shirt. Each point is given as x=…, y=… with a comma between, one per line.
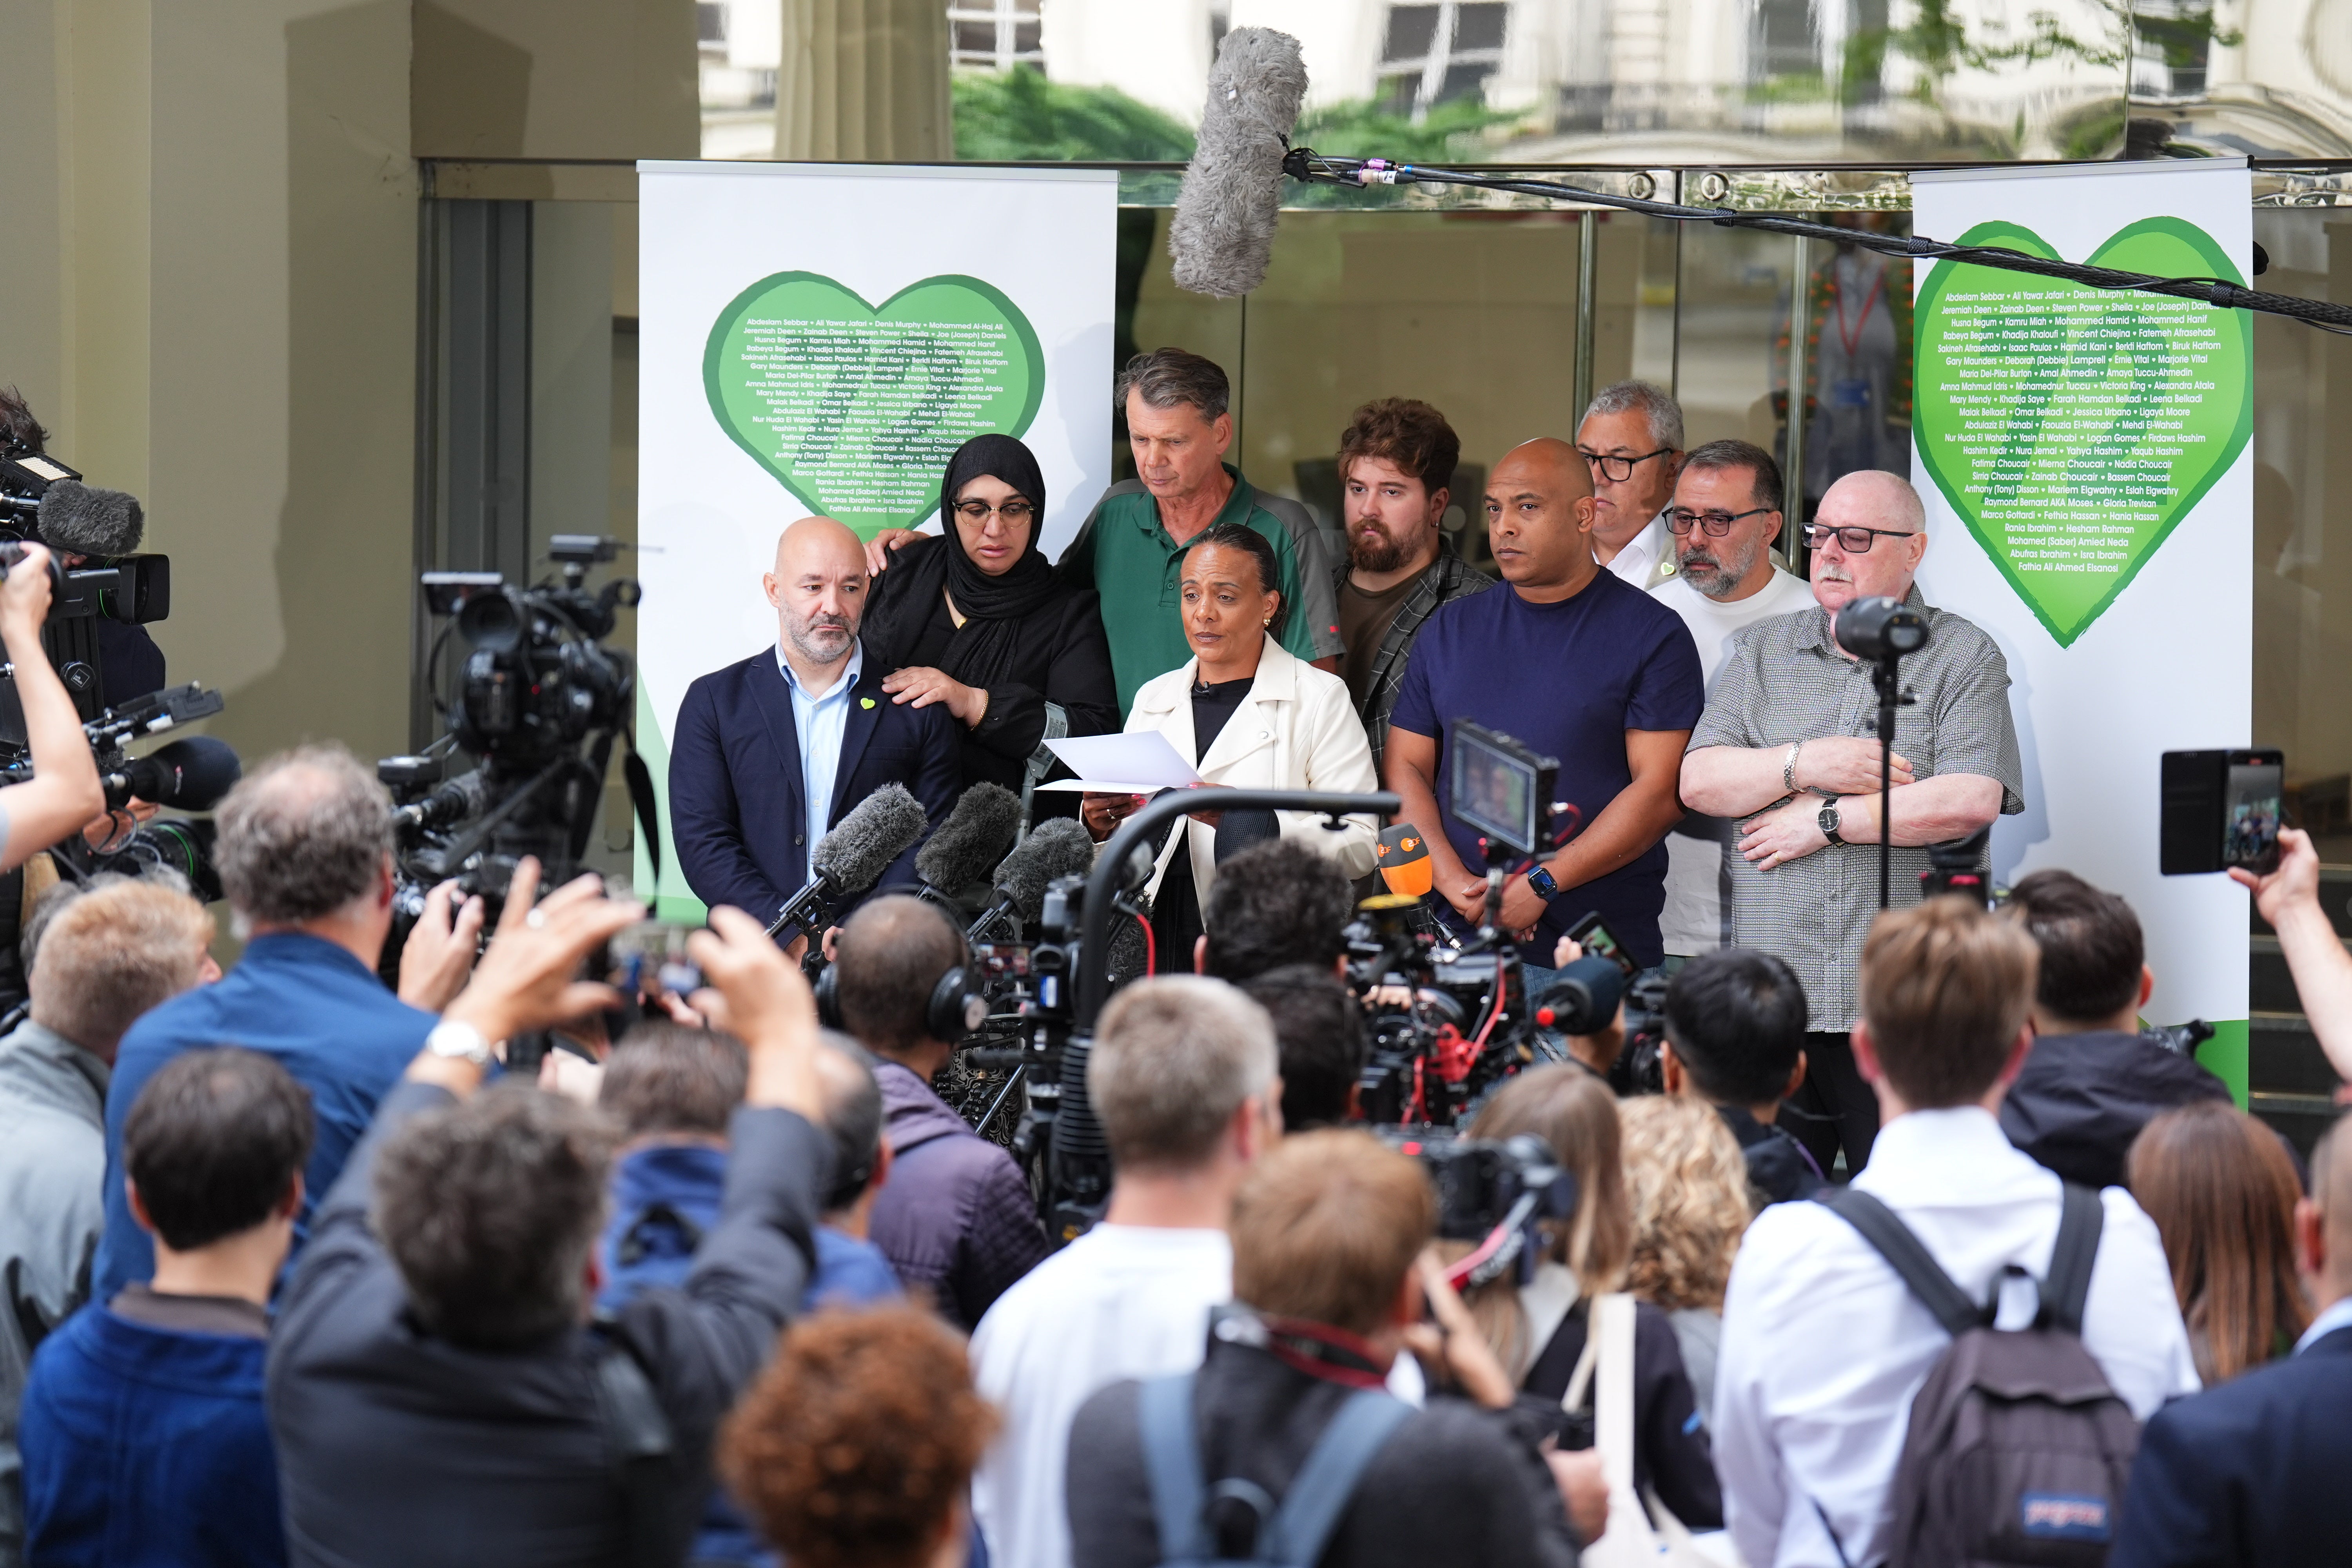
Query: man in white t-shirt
x=1183, y=1078
x=1724, y=518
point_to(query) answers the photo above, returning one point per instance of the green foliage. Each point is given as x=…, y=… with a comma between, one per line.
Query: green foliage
x=1453, y=131
x=1017, y=116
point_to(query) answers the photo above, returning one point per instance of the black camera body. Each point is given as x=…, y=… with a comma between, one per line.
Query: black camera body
x=538, y=704
x=1431, y=1056
x=1498, y=1193
x=114, y=583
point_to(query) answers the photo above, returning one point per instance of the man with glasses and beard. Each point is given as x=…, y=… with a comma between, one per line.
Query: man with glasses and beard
x=1787, y=746
x=1631, y=439
x=1396, y=474
x=1725, y=517
x=770, y=752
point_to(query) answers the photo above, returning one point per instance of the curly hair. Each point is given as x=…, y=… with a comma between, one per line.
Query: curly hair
x=1688, y=1184
x=855, y=1447
x=1406, y=432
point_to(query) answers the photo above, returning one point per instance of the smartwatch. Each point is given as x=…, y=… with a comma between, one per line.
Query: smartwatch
x=458, y=1040
x=1828, y=820
x=1540, y=881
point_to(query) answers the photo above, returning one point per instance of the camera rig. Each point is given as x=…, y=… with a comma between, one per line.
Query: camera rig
x=539, y=703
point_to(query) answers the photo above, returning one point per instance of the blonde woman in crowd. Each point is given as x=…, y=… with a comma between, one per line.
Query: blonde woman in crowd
x=1687, y=1183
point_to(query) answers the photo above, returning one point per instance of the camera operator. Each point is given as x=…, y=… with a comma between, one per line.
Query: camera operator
x=957, y=1221
x=1787, y=746
x=105, y=957
x=1275, y=904
x=130, y=663
x=63, y=795
x=1329, y=1235
x=305, y=859
x=436, y=1389
x=1736, y=1038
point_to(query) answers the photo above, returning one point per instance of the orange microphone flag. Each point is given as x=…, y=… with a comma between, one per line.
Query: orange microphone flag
x=1403, y=860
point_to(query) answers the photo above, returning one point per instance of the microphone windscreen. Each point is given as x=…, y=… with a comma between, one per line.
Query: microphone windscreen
x=862, y=845
x=1583, y=997
x=1129, y=954
x=1056, y=847
x=972, y=839
x=190, y=775
x=1221, y=238
x=1403, y=860
x=87, y=521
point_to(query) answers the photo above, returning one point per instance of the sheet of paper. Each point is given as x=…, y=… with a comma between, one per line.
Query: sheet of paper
x=1135, y=764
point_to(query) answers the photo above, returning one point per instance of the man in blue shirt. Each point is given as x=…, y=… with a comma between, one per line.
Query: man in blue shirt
x=1578, y=665
x=305, y=859
x=144, y=1435
x=768, y=752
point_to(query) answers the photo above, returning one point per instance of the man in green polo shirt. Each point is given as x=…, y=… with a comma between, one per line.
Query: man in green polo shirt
x=1130, y=549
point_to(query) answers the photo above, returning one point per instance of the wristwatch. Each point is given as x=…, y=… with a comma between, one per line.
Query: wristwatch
x=1828, y=820
x=460, y=1041
x=1540, y=881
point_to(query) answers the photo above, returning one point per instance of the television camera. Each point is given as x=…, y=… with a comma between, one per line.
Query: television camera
x=103, y=589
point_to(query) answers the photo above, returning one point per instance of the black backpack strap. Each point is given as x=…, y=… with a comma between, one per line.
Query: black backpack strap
x=638, y=1444
x=1172, y=1457
x=1318, y=1494
x=1907, y=1256
x=2082, y=1215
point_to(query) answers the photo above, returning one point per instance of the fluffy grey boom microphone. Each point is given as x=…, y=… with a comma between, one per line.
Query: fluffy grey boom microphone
x=88, y=520
x=1222, y=236
x=853, y=857
x=1056, y=847
x=972, y=839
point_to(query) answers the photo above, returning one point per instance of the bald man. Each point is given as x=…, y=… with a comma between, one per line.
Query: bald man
x=772, y=752
x=1788, y=749
x=1580, y=664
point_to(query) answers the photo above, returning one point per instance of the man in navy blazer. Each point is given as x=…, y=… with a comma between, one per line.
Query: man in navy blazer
x=772, y=752
x=2253, y=1470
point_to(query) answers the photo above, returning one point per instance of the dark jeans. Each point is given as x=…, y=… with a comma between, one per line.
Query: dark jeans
x=1833, y=1108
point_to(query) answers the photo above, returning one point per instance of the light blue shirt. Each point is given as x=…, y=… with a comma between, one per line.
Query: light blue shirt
x=2338, y=1316
x=821, y=719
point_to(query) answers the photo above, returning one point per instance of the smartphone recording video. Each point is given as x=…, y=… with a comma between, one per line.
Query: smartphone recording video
x=2222, y=809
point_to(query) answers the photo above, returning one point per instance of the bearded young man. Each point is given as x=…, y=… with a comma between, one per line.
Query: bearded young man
x=1396, y=474
x=1724, y=518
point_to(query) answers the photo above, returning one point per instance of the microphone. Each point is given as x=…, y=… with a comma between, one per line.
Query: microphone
x=83, y=519
x=452, y=801
x=1403, y=860
x=1129, y=955
x=1221, y=238
x=1584, y=998
x=1055, y=848
x=190, y=775
x=971, y=842
x=853, y=857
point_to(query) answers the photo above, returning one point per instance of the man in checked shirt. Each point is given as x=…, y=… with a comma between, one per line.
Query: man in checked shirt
x=1786, y=744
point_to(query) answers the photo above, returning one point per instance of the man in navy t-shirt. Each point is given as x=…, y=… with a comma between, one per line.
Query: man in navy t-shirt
x=1578, y=666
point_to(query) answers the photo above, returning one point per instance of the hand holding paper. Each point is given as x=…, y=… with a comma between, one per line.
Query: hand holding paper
x=1142, y=762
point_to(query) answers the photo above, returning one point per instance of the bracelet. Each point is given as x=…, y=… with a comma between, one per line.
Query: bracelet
x=1789, y=768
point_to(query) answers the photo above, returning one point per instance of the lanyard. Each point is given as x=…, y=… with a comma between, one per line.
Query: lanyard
x=1852, y=342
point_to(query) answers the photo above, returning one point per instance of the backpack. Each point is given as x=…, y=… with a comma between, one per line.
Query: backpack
x=1296, y=1534
x=2017, y=1449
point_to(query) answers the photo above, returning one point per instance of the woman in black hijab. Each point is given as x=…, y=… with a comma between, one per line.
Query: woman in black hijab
x=974, y=619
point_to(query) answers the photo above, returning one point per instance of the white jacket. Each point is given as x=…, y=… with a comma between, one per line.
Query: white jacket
x=1296, y=730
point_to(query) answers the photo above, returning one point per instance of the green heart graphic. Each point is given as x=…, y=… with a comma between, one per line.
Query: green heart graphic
x=2070, y=427
x=856, y=408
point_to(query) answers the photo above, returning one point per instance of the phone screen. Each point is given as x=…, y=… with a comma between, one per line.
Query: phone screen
x=2251, y=803
x=1598, y=939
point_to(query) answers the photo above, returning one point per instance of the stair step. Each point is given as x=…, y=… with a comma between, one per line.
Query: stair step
x=2335, y=897
x=2283, y=1056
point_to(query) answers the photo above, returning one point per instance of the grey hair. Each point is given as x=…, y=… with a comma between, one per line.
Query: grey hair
x=302, y=836
x=1653, y=403
x=1168, y=377
x=1173, y=1059
x=1720, y=457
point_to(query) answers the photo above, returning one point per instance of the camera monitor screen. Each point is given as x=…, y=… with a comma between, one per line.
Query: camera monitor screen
x=1500, y=787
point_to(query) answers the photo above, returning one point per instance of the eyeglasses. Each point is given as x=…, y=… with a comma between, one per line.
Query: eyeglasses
x=1855, y=540
x=1015, y=511
x=1681, y=519
x=1615, y=468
